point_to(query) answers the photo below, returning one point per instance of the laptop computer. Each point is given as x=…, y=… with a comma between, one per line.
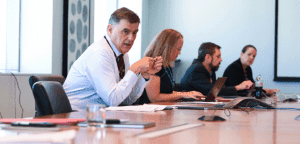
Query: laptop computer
x=251, y=90
x=247, y=101
x=213, y=93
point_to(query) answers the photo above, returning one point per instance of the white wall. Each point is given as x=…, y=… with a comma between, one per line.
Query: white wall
x=36, y=37
x=232, y=24
x=100, y=14
x=144, y=22
x=9, y=98
x=41, y=36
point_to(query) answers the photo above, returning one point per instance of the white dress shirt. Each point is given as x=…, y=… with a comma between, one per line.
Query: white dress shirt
x=94, y=78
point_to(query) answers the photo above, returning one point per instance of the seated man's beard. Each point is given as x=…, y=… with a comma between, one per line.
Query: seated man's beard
x=214, y=68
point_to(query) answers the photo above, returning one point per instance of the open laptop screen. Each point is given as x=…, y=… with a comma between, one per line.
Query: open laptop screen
x=214, y=91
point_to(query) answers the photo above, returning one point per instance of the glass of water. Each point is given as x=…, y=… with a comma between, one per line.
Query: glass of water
x=96, y=115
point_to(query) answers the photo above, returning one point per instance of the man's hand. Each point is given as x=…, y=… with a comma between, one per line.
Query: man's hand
x=155, y=65
x=147, y=66
x=244, y=85
x=141, y=65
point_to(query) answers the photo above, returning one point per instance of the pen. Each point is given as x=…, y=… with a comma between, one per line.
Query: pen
x=109, y=121
x=113, y=121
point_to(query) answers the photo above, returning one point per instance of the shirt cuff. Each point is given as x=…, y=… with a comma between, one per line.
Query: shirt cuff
x=130, y=77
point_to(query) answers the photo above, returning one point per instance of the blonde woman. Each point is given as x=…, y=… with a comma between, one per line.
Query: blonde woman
x=168, y=45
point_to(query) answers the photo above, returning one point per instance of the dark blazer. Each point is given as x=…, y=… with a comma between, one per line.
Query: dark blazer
x=197, y=78
x=235, y=73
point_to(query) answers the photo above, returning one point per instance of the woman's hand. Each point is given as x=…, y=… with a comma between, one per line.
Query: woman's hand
x=244, y=85
x=271, y=91
x=192, y=94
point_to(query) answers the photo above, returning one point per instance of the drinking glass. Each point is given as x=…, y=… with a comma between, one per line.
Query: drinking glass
x=96, y=115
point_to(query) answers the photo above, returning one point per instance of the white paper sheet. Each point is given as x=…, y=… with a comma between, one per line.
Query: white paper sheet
x=57, y=137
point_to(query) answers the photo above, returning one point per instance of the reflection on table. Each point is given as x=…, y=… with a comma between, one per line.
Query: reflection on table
x=256, y=126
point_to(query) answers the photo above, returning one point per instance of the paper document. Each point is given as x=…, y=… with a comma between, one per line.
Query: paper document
x=57, y=137
x=139, y=108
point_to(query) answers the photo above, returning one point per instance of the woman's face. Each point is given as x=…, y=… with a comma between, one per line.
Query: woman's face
x=248, y=57
x=177, y=49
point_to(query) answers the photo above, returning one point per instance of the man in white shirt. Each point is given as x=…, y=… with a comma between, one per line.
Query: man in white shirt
x=99, y=76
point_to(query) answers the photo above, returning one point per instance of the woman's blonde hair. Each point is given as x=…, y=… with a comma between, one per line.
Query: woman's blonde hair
x=163, y=44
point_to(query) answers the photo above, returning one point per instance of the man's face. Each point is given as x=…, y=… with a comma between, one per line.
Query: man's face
x=123, y=34
x=216, y=60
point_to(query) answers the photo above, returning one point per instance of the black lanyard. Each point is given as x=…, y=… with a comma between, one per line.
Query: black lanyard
x=117, y=58
x=170, y=75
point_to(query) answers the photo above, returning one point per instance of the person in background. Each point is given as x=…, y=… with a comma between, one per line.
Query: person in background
x=102, y=74
x=201, y=75
x=240, y=70
x=168, y=45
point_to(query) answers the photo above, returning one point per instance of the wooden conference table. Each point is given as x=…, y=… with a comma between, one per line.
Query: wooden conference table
x=257, y=126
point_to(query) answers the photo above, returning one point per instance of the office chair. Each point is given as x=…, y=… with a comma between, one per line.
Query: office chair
x=50, y=98
x=35, y=78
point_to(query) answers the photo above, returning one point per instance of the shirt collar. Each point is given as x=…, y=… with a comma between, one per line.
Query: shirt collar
x=117, y=52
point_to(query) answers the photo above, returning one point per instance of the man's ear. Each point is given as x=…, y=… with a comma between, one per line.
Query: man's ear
x=207, y=58
x=242, y=54
x=109, y=29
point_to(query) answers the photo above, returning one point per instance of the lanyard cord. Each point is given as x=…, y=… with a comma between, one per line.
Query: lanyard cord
x=117, y=58
x=170, y=75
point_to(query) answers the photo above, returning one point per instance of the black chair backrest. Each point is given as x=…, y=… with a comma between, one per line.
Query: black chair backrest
x=35, y=78
x=50, y=98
